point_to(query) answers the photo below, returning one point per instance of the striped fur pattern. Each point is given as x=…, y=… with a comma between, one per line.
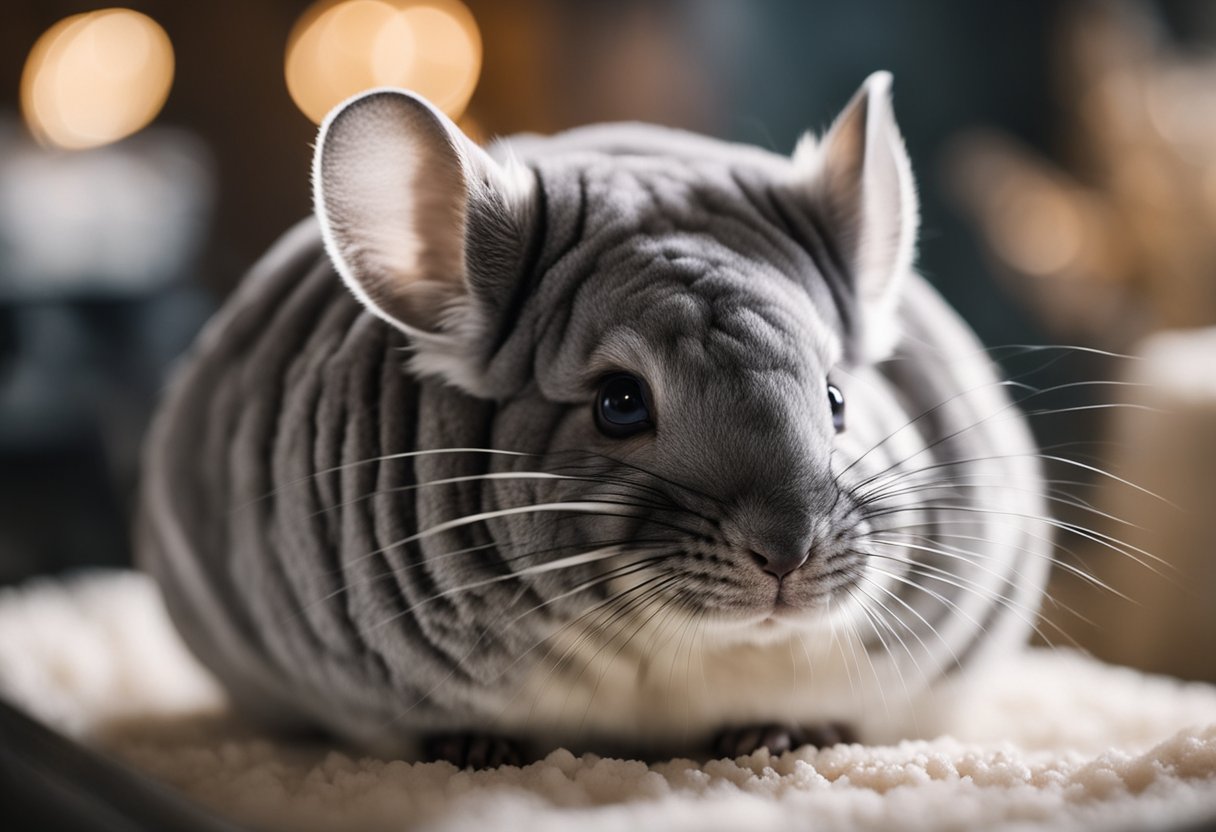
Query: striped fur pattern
x=377, y=501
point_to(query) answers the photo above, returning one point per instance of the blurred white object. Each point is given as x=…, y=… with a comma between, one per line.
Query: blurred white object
x=1167, y=447
x=120, y=219
x=1181, y=365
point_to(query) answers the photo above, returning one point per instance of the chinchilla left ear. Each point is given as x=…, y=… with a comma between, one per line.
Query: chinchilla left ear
x=858, y=179
x=424, y=227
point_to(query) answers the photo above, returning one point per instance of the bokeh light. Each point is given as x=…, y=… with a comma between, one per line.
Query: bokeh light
x=338, y=49
x=1040, y=231
x=94, y=78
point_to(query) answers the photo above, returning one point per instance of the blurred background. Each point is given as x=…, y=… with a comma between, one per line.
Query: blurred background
x=1066, y=155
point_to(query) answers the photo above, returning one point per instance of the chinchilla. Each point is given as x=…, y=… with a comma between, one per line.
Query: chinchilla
x=624, y=439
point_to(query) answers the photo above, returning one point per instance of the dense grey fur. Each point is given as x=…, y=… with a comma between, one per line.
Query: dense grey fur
x=284, y=525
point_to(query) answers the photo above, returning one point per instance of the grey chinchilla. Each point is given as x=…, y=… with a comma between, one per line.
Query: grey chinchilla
x=617, y=439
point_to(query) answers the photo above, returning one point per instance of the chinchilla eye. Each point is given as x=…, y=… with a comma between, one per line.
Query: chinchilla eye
x=621, y=408
x=836, y=399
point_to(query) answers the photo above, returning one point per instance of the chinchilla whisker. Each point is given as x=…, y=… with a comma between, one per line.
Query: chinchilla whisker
x=1101, y=538
x=924, y=348
x=1065, y=499
x=883, y=615
x=370, y=460
x=925, y=413
x=1010, y=407
x=985, y=478
x=1055, y=411
x=701, y=664
x=853, y=668
x=964, y=585
x=862, y=640
x=857, y=640
x=835, y=644
x=661, y=603
x=621, y=480
x=1047, y=596
x=954, y=553
x=648, y=652
x=647, y=472
x=895, y=596
x=614, y=573
x=875, y=621
x=1104, y=473
x=939, y=570
x=597, y=625
x=653, y=518
x=966, y=616
x=685, y=633
x=1041, y=456
x=579, y=559
x=596, y=610
x=599, y=580
x=572, y=506
x=1051, y=361
x=669, y=504
x=1030, y=390
x=431, y=560
x=897, y=476
x=943, y=574
x=622, y=617
x=633, y=501
x=1070, y=347
x=690, y=635
x=911, y=630
x=695, y=645
x=968, y=556
x=604, y=578
x=863, y=643
x=908, y=530
x=1024, y=614
x=951, y=484
x=346, y=586
x=414, y=486
x=598, y=615
x=490, y=476
x=530, y=553
x=1031, y=348
x=622, y=551
x=1084, y=533
x=623, y=570
x=624, y=603
x=693, y=619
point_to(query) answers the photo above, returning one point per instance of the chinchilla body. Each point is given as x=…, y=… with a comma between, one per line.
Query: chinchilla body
x=607, y=440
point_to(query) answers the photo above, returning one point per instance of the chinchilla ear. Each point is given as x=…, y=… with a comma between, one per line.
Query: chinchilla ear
x=424, y=227
x=859, y=181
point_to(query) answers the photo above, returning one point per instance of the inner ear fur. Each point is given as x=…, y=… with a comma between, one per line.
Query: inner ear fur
x=397, y=188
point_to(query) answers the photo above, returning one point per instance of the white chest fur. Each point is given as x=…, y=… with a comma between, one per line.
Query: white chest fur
x=679, y=687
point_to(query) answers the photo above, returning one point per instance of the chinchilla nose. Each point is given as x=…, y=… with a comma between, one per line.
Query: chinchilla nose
x=781, y=562
x=782, y=517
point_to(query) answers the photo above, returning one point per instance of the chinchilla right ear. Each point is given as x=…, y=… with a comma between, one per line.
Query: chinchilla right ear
x=858, y=179
x=424, y=227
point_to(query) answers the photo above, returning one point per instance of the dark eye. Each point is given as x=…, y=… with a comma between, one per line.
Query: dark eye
x=621, y=407
x=836, y=399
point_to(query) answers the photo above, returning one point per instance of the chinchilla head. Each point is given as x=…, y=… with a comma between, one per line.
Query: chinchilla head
x=679, y=335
